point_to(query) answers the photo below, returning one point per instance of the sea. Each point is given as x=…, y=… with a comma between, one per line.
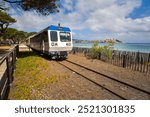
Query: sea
x=134, y=47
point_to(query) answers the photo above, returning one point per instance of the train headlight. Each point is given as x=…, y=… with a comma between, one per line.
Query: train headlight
x=68, y=44
x=52, y=44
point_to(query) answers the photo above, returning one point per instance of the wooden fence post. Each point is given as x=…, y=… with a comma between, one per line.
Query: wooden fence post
x=17, y=49
x=124, y=61
x=8, y=69
x=138, y=60
x=99, y=55
x=148, y=64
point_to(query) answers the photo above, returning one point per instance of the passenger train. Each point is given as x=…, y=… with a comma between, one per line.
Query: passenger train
x=55, y=41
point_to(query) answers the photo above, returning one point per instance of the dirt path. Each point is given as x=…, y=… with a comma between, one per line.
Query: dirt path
x=138, y=79
x=72, y=86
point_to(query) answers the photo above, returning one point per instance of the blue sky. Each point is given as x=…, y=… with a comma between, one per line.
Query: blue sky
x=126, y=20
x=142, y=11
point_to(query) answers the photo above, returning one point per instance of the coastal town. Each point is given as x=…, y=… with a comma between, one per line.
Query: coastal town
x=109, y=40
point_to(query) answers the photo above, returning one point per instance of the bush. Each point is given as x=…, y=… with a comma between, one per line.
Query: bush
x=102, y=52
x=95, y=50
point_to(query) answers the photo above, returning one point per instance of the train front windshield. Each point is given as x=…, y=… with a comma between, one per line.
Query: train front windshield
x=65, y=36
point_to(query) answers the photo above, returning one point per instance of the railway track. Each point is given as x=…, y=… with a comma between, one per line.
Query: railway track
x=114, y=86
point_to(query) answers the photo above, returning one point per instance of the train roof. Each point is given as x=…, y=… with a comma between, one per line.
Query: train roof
x=59, y=28
x=52, y=27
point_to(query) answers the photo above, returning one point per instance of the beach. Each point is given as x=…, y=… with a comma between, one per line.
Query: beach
x=133, y=47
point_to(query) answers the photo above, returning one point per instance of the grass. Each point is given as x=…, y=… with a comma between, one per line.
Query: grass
x=32, y=74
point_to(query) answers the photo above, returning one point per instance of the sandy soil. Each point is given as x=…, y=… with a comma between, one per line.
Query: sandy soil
x=71, y=86
x=76, y=87
x=141, y=80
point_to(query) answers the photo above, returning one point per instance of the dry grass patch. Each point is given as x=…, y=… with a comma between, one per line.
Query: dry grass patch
x=4, y=49
x=32, y=74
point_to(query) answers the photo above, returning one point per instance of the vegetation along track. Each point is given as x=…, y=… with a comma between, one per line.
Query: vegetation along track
x=118, y=88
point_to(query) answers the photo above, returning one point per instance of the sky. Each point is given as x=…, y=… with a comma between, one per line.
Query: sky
x=126, y=20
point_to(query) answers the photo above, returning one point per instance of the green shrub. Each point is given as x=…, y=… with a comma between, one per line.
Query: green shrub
x=95, y=50
x=99, y=51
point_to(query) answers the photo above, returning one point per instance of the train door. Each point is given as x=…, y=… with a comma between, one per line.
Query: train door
x=45, y=43
x=43, y=46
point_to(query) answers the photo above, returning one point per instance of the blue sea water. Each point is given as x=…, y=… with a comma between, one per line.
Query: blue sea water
x=135, y=47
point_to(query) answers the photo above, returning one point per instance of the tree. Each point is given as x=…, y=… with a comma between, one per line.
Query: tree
x=44, y=7
x=31, y=33
x=14, y=36
x=20, y=36
x=5, y=21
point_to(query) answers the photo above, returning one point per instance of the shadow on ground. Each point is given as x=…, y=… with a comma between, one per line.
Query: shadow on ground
x=24, y=54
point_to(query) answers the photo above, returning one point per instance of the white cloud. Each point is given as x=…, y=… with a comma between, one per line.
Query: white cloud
x=98, y=16
x=67, y=4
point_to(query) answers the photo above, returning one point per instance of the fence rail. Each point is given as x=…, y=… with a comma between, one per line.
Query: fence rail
x=136, y=61
x=7, y=66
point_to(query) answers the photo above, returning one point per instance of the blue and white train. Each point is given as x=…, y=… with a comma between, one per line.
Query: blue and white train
x=55, y=41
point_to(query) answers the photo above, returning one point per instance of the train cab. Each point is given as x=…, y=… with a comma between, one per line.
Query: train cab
x=60, y=40
x=55, y=41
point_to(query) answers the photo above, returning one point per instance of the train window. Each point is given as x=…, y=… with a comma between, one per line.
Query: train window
x=65, y=36
x=54, y=36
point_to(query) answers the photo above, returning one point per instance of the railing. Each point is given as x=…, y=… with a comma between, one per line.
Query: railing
x=7, y=66
x=136, y=61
